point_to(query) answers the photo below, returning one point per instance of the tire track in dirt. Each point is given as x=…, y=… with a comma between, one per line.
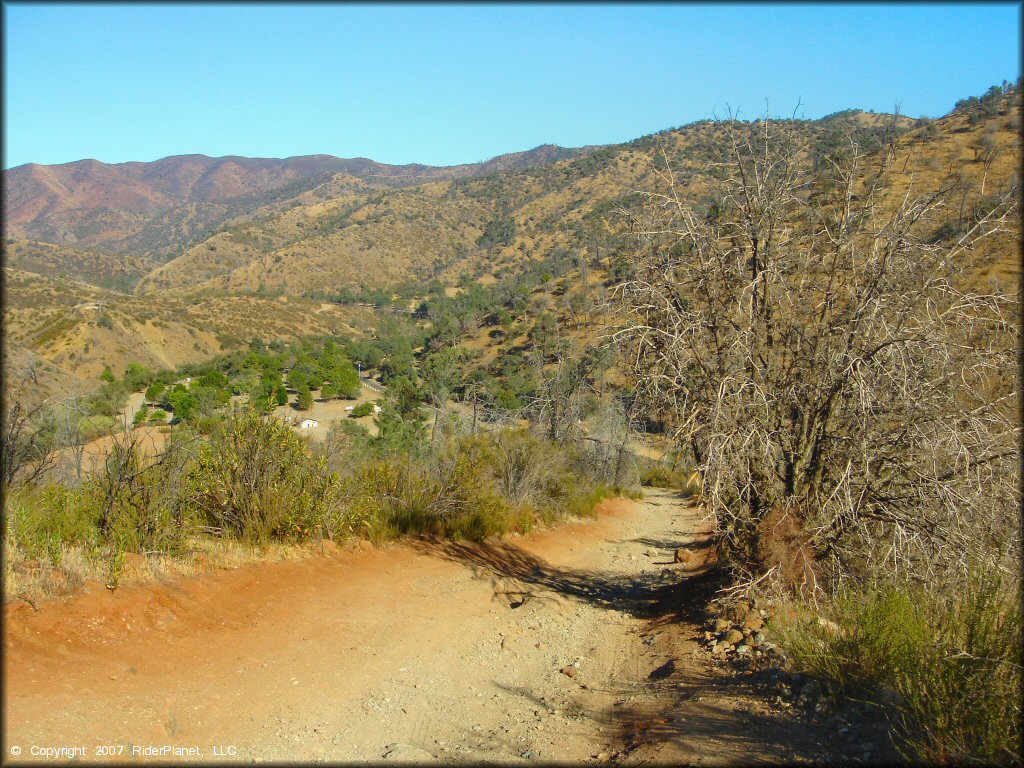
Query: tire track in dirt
x=530, y=648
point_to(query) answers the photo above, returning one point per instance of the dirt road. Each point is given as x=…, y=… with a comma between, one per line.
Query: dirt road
x=131, y=407
x=566, y=645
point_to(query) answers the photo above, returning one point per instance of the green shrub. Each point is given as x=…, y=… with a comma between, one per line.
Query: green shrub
x=93, y=427
x=256, y=480
x=42, y=520
x=155, y=390
x=363, y=409
x=952, y=658
x=303, y=398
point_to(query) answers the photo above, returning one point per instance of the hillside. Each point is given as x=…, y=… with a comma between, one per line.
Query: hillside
x=115, y=271
x=82, y=328
x=340, y=235
x=348, y=234
x=158, y=208
x=306, y=240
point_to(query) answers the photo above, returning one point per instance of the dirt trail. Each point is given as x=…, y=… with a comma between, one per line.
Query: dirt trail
x=430, y=651
x=131, y=407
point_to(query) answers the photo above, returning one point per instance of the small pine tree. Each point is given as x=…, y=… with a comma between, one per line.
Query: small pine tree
x=304, y=398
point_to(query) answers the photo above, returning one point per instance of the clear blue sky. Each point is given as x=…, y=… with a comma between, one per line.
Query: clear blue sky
x=445, y=84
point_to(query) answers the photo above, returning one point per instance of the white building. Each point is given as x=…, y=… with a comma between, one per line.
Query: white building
x=308, y=423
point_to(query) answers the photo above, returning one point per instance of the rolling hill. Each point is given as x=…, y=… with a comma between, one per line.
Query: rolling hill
x=202, y=254
x=158, y=208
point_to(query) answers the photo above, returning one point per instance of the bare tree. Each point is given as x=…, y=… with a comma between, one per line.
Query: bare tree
x=986, y=149
x=27, y=429
x=607, y=442
x=71, y=438
x=558, y=405
x=849, y=400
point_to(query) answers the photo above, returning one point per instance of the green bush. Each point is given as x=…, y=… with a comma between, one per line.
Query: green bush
x=952, y=658
x=256, y=480
x=363, y=409
x=42, y=520
x=155, y=390
x=303, y=398
x=93, y=427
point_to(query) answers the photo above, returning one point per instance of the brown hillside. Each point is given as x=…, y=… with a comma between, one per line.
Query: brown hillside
x=128, y=206
x=82, y=328
x=344, y=231
x=103, y=269
x=373, y=236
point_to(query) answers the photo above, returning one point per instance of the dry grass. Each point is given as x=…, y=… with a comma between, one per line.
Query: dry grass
x=946, y=661
x=60, y=322
x=39, y=581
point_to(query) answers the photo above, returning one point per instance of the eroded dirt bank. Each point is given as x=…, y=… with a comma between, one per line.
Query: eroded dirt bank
x=571, y=645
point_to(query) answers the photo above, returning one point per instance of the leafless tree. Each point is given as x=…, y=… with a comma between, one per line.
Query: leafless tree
x=849, y=399
x=607, y=446
x=557, y=406
x=28, y=429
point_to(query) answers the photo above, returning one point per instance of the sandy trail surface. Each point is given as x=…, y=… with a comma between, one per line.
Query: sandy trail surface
x=573, y=644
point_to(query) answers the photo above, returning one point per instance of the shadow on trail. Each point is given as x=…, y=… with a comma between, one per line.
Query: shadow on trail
x=672, y=704
x=661, y=598
x=672, y=544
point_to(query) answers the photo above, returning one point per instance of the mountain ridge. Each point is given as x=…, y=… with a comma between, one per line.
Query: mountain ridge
x=291, y=258
x=91, y=203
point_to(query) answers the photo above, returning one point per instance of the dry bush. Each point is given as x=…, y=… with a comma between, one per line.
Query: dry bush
x=523, y=465
x=137, y=497
x=818, y=355
x=604, y=451
x=27, y=438
x=443, y=498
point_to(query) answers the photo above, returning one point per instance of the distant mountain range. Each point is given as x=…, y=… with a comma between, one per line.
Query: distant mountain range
x=89, y=203
x=183, y=258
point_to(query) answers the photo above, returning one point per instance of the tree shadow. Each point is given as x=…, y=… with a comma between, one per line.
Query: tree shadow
x=668, y=596
x=690, y=711
x=682, y=707
x=673, y=544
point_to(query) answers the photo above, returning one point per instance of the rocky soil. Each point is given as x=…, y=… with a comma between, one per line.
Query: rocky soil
x=589, y=643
